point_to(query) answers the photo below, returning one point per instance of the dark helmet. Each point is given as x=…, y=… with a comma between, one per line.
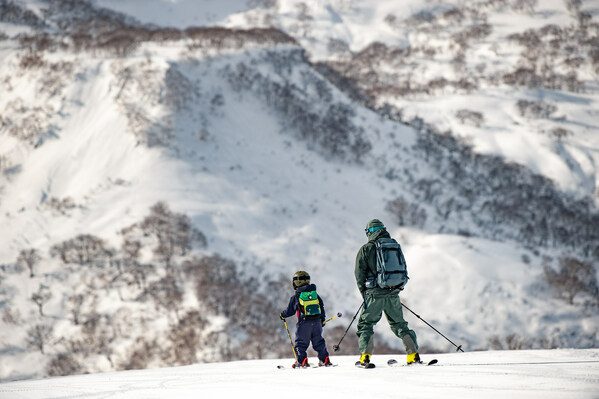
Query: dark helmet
x=300, y=278
x=373, y=226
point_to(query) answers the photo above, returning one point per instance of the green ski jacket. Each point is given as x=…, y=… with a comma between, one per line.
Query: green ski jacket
x=366, y=259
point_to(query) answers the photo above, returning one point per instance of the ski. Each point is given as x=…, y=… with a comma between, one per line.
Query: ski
x=281, y=367
x=395, y=363
x=365, y=366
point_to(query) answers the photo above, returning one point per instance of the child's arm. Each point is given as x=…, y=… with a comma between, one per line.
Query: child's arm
x=291, y=308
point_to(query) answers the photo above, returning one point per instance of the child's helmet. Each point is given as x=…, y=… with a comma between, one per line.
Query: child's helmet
x=300, y=278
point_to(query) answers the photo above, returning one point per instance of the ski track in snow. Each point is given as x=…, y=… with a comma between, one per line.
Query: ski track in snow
x=543, y=374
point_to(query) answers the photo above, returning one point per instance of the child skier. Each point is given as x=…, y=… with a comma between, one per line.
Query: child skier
x=310, y=320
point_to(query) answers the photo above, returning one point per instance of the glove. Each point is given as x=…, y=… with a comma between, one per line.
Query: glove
x=281, y=316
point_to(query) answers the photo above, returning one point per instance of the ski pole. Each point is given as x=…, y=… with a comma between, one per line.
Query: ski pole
x=326, y=321
x=336, y=347
x=459, y=348
x=290, y=341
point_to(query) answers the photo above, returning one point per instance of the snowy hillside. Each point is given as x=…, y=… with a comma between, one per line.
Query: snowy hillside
x=559, y=374
x=164, y=170
x=434, y=59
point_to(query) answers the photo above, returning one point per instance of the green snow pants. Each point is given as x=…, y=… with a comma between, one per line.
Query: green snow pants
x=377, y=301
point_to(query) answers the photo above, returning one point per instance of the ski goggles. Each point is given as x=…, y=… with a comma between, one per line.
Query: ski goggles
x=372, y=229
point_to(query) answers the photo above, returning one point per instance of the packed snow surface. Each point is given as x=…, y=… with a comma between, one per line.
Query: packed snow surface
x=508, y=374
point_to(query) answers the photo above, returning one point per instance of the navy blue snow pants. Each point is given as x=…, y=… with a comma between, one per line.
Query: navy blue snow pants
x=308, y=331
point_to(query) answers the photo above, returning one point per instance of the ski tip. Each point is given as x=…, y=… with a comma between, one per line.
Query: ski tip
x=391, y=362
x=434, y=361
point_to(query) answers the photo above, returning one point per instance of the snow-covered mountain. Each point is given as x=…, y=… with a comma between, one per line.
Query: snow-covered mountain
x=165, y=169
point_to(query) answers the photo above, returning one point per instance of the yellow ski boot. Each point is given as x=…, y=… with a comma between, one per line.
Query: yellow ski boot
x=364, y=361
x=414, y=358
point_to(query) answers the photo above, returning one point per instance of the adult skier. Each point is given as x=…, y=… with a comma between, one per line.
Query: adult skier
x=378, y=300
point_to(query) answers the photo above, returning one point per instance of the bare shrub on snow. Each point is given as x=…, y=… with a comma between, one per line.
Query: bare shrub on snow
x=560, y=133
x=572, y=278
x=30, y=258
x=4, y=160
x=509, y=342
x=339, y=47
x=38, y=336
x=185, y=339
x=26, y=123
x=31, y=61
x=140, y=355
x=132, y=264
x=527, y=6
x=85, y=249
x=172, y=233
x=474, y=33
x=121, y=42
x=535, y=109
x=76, y=301
x=11, y=316
x=41, y=297
x=437, y=84
x=61, y=205
x=406, y=213
x=167, y=294
x=525, y=77
x=304, y=18
x=64, y=364
x=471, y=117
x=98, y=335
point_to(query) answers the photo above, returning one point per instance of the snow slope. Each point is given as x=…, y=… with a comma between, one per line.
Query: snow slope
x=263, y=197
x=547, y=374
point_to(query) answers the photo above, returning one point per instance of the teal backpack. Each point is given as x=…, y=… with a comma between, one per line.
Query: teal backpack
x=392, y=271
x=309, y=304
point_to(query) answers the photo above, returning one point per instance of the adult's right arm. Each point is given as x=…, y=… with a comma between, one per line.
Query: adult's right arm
x=360, y=269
